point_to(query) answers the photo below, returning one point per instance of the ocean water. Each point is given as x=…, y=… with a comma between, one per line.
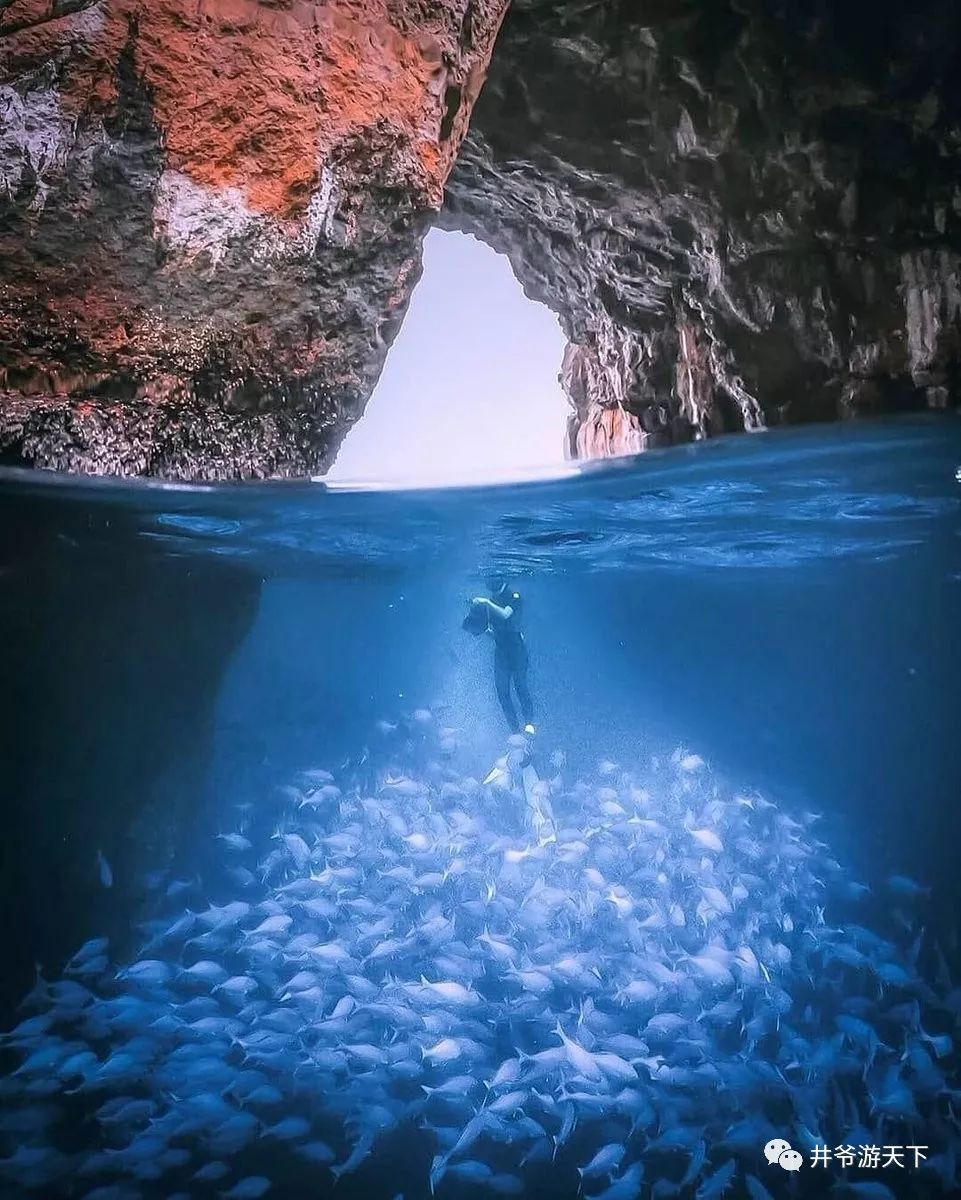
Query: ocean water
x=270, y=932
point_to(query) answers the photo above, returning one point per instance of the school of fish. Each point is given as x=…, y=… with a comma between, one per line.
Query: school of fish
x=621, y=986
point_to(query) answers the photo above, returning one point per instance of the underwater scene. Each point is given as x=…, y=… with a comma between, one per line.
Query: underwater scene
x=587, y=837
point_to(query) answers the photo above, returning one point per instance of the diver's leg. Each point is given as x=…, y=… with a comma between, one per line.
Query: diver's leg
x=502, y=682
x=519, y=673
x=524, y=695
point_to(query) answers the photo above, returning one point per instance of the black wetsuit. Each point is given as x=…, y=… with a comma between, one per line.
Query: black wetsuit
x=511, y=661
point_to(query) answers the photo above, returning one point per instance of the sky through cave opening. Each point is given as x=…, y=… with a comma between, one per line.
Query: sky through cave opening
x=470, y=388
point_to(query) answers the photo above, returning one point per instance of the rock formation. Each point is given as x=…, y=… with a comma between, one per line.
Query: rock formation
x=107, y=717
x=745, y=212
x=210, y=219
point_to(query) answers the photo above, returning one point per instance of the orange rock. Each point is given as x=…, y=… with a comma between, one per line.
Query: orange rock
x=227, y=193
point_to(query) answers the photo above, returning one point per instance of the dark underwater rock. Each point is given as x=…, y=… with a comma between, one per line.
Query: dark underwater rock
x=106, y=719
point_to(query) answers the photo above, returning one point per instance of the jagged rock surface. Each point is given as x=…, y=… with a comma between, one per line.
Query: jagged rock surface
x=744, y=212
x=211, y=217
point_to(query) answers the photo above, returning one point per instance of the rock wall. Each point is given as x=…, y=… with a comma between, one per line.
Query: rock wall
x=106, y=717
x=744, y=212
x=211, y=214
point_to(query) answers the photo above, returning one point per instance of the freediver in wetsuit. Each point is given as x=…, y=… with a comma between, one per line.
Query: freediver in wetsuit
x=502, y=613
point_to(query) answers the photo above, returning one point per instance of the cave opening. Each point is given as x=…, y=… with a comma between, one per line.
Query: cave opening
x=470, y=389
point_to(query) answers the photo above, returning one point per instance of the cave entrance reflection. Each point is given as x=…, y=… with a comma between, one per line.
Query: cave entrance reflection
x=469, y=391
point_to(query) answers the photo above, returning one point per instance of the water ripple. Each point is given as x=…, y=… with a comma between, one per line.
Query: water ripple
x=787, y=499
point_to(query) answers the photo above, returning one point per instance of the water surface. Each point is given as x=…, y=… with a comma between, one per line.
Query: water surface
x=782, y=607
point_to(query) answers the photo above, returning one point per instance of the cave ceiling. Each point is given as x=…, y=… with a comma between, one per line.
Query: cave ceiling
x=211, y=215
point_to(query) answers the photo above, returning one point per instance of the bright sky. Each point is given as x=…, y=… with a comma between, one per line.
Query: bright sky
x=469, y=390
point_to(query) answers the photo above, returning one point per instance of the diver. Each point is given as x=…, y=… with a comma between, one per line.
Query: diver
x=500, y=616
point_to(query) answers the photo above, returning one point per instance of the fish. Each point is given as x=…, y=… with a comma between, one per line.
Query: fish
x=708, y=840
x=625, y=1187
x=147, y=971
x=756, y=1189
x=360, y=1153
x=416, y=952
x=717, y=1183
x=296, y=847
x=252, y=1187
x=580, y=1059
x=104, y=870
x=604, y=1162
x=316, y=1152
x=211, y=1172
x=204, y=972
x=866, y=1189
x=903, y=886
x=289, y=1129
x=235, y=841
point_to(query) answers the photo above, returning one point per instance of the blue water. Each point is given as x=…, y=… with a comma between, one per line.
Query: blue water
x=754, y=621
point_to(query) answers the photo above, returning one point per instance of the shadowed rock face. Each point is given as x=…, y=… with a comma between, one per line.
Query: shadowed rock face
x=745, y=212
x=106, y=717
x=211, y=217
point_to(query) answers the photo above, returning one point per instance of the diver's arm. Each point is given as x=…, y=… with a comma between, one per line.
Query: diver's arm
x=495, y=610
